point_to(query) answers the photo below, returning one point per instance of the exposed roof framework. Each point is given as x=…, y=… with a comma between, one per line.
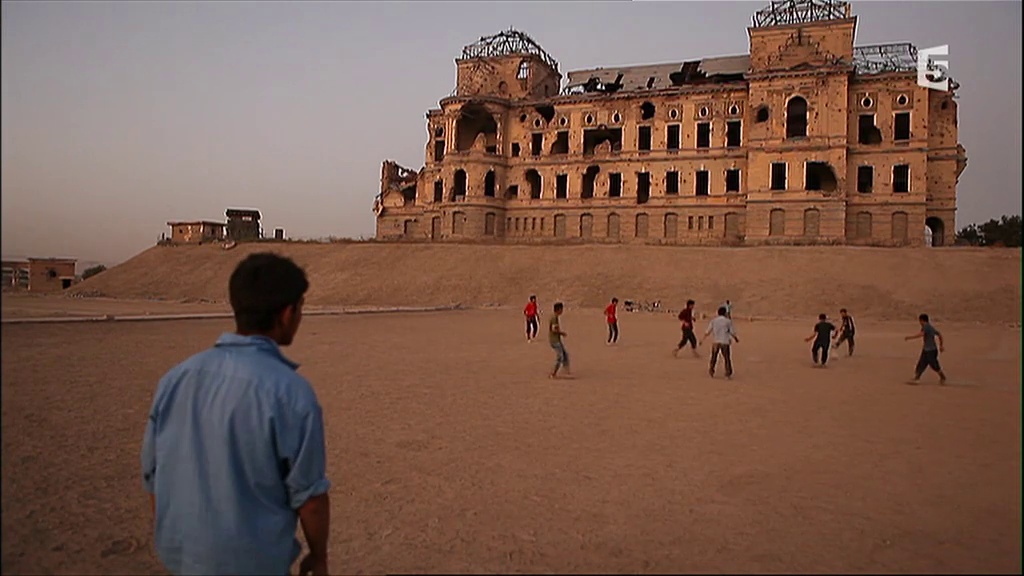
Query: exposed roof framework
x=783, y=12
x=507, y=43
x=895, y=57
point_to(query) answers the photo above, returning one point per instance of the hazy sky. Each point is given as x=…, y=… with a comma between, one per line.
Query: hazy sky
x=120, y=116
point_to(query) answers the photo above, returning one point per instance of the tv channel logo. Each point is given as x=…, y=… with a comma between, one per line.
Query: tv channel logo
x=933, y=74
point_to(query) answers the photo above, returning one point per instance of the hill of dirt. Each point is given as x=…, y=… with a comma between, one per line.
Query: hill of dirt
x=956, y=284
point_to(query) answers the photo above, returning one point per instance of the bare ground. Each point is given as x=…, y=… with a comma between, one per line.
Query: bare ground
x=451, y=451
x=954, y=284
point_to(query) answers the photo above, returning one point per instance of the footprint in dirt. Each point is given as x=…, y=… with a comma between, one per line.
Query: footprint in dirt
x=122, y=547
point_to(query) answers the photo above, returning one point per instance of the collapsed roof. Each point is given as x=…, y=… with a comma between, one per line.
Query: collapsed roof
x=658, y=76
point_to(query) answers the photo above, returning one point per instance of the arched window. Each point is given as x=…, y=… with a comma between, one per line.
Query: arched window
x=796, y=117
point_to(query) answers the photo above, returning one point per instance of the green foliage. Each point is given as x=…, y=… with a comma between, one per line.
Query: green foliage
x=90, y=272
x=1003, y=232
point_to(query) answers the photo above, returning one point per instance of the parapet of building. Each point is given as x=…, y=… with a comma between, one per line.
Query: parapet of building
x=243, y=224
x=197, y=232
x=39, y=274
x=804, y=140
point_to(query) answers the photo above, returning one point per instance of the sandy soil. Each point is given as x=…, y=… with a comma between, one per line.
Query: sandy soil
x=23, y=305
x=451, y=451
x=954, y=284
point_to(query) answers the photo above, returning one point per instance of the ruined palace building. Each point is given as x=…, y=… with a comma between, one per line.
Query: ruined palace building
x=805, y=140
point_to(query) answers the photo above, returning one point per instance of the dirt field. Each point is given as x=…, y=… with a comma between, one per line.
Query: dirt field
x=451, y=451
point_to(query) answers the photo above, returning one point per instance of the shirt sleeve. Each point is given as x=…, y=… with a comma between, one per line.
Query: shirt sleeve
x=149, y=454
x=301, y=444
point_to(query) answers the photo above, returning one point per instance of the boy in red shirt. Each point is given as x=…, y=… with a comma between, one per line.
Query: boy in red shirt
x=686, y=317
x=531, y=318
x=613, y=323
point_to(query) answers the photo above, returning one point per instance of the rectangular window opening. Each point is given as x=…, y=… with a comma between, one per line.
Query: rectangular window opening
x=672, y=183
x=901, y=126
x=901, y=178
x=778, y=176
x=615, y=185
x=562, y=186
x=733, y=133
x=703, y=134
x=732, y=180
x=643, y=187
x=537, y=144
x=643, y=138
x=561, y=145
x=672, y=137
x=703, y=183
x=865, y=179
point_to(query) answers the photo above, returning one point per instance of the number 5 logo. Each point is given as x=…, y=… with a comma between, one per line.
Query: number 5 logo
x=933, y=74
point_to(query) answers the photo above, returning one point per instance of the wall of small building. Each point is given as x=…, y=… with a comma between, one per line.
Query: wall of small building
x=50, y=276
x=196, y=233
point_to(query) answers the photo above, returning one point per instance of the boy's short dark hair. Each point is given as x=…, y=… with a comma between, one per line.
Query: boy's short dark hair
x=822, y=316
x=263, y=285
x=842, y=310
x=721, y=310
x=558, y=306
x=615, y=300
x=923, y=317
x=532, y=297
x=690, y=302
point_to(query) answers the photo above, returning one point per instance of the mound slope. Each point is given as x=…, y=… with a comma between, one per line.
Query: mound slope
x=957, y=284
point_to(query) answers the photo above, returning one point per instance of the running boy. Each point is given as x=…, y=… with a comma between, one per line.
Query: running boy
x=846, y=331
x=723, y=334
x=555, y=339
x=531, y=318
x=613, y=322
x=686, y=317
x=822, y=336
x=929, y=351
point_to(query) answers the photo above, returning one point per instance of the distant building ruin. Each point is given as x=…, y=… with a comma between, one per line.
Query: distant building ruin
x=243, y=225
x=804, y=140
x=39, y=274
x=197, y=232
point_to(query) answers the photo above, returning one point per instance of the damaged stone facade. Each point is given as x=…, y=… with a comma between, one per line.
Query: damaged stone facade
x=805, y=140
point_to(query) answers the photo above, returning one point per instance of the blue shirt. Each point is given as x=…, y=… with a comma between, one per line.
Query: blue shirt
x=233, y=447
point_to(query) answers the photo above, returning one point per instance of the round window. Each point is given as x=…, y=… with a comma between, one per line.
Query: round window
x=673, y=113
x=902, y=100
x=866, y=102
x=703, y=111
x=522, y=118
x=563, y=121
x=536, y=123
x=734, y=110
x=616, y=118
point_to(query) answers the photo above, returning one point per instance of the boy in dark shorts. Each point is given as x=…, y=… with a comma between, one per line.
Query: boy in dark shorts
x=846, y=331
x=686, y=318
x=929, y=351
x=530, y=311
x=555, y=339
x=822, y=337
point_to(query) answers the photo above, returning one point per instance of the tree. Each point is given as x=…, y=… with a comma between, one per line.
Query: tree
x=1003, y=232
x=90, y=272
